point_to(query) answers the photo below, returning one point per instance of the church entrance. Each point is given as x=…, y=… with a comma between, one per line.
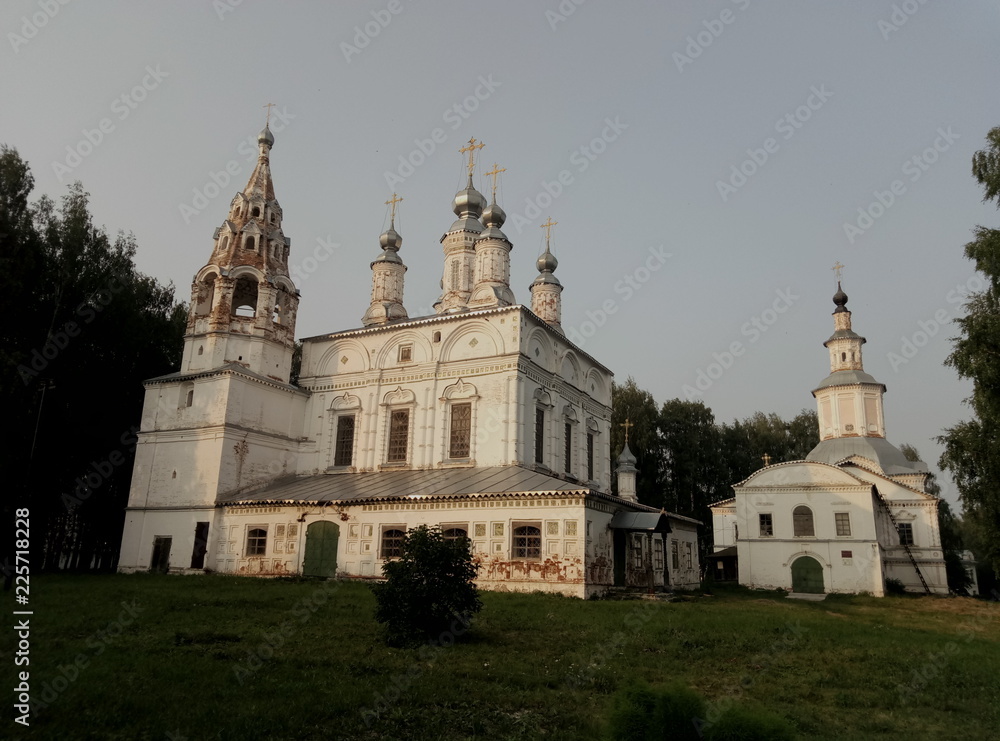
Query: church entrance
x=322, y=539
x=807, y=575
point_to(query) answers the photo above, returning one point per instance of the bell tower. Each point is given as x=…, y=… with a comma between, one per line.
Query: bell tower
x=243, y=302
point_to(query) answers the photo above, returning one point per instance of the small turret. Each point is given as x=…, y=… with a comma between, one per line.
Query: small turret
x=387, y=276
x=459, y=242
x=546, y=290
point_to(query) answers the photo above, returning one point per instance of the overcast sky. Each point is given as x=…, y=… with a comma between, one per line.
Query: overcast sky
x=707, y=164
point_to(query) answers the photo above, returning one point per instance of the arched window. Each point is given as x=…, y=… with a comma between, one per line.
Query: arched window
x=256, y=211
x=843, y=356
x=527, y=543
x=802, y=522
x=206, y=296
x=249, y=243
x=256, y=541
x=392, y=543
x=245, y=297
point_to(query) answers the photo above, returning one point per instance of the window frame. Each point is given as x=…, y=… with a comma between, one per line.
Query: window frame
x=842, y=523
x=341, y=444
x=568, y=447
x=768, y=531
x=396, y=542
x=255, y=545
x=799, y=521
x=467, y=429
x=539, y=436
x=531, y=547
x=391, y=431
x=905, y=527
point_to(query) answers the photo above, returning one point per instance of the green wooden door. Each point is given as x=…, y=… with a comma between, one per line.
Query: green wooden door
x=321, y=549
x=807, y=575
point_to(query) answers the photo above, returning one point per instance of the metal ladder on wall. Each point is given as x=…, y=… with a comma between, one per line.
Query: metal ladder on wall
x=895, y=526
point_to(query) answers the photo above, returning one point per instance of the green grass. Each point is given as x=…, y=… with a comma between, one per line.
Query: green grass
x=533, y=665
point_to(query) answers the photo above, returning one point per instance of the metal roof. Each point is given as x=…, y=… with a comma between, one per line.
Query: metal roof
x=640, y=521
x=847, y=378
x=394, y=485
x=877, y=449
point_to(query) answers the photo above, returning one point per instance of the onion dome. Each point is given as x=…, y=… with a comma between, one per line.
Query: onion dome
x=626, y=460
x=546, y=264
x=840, y=299
x=265, y=136
x=390, y=242
x=494, y=217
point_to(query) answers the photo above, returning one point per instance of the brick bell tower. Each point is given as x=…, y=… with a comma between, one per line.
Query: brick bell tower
x=243, y=302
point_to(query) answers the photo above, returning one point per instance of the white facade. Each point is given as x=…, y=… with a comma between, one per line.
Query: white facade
x=483, y=419
x=850, y=516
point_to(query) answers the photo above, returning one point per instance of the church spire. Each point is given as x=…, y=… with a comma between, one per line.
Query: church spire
x=243, y=301
x=849, y=400
x=387, y=276
x=459, y=242
x=546, y=302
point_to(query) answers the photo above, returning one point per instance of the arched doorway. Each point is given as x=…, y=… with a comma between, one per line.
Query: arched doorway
x=322, y=539
x=807, y=575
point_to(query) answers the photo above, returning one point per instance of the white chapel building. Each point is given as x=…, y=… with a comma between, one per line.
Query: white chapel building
x=481, y=418
x=852, y=514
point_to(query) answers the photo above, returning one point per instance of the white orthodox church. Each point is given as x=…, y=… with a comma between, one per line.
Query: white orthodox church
x=854, y=513
x=481, y=418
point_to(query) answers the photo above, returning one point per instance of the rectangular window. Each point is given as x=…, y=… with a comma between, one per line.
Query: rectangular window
x=635, y=546
x=568, y=447
x=405, y=353
x=905, y=530
x=590, y=456
x=843, y=523
x=399, y=430
x=658, y=555
x=766, y=525
x=461, y=431
x=688, y=560
x=343, y=454
x=527, y=541
x=256, y=541
x=539, y=433
x=675, y=559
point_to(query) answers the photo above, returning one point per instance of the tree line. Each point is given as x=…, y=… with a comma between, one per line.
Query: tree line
x=82, y=329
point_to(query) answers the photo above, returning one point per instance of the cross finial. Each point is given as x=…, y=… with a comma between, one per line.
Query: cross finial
x=494, y=173
x=627, y=424
x=837, y=268
x=547, y=226
x=269, y=106
x=471, y=148
x=766, y=458
x=392, y=205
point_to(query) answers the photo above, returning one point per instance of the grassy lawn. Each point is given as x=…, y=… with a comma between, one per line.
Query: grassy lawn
x=214, y=657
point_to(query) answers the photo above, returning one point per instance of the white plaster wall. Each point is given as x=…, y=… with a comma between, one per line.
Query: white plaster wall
x=141, y=527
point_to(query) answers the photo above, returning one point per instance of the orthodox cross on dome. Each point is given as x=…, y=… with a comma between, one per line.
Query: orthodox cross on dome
x=494, y=173
x=547, y=226
x=392, y=205
x=837, y=268
x=626, y=424
x=766, y=458
x=269, y=106
x=471, y=148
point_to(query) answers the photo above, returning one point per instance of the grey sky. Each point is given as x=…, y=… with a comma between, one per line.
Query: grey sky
x=675, y=94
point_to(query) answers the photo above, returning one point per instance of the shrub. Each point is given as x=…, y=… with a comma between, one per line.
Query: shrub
x=741, y=723
x=640, y=713
x=894, y=586
x=429, y=590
